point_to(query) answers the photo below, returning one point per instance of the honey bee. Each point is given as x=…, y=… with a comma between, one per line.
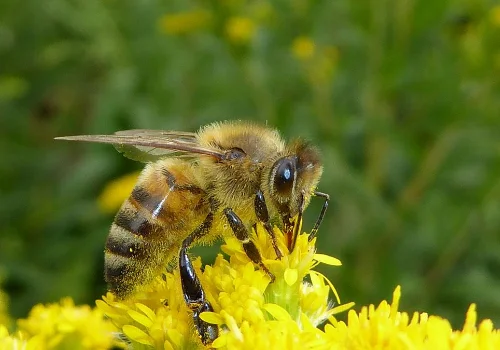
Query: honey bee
x=196, y=187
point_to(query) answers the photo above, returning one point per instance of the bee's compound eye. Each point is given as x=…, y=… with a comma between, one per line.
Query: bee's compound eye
x=284, y=175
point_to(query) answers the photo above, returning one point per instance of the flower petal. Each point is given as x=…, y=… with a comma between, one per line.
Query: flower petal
x=140, y=318
x=212, y=317
x=135, y=334
x=291, y=276
x=147, y=311
x=277, y=312
x=327, y=259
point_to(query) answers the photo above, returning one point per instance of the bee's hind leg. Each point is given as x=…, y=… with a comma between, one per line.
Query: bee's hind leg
x=241, y=232
x=263, y=216
x=193, y=292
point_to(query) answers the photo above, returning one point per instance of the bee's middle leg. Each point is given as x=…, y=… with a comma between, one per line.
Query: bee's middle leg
x=263, y=216
x=193, y=292
x=241, y=232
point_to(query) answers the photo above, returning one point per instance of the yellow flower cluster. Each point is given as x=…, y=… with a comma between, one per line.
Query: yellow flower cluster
x=241, y=295
x=60, y=326
x=18, y=341
x=303, y=48
x=251, y=312
x=384, y=327
x=239, y=21
x=240, y=30
x=156, y=317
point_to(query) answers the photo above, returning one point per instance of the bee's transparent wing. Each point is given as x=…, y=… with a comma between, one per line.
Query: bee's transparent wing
x=178, y=135
x=153, y=153
x=150, y=145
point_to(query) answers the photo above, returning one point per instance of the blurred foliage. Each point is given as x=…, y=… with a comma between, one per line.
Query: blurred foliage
x=402, y=97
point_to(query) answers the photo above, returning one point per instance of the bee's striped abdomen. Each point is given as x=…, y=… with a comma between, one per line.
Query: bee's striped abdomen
x=122, y=243
x=151, y=224
x=134, y=222
x=128, y=247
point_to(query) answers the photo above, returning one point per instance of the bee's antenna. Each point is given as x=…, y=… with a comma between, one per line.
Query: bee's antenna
x=321, y=214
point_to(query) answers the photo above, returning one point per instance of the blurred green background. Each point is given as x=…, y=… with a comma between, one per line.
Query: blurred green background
x=402, y=97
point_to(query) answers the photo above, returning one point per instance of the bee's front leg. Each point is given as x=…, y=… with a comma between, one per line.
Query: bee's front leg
x=193, y=292
x=241, y=232
x=315, y=228
x=263, y=216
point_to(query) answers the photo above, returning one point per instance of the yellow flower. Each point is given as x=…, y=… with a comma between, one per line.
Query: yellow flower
x=255, y=313
x=184, y=22
x=19, y=341
x=60, y=326
x=156, y=317
x=240, y=30
x=495, y=15
x=115, y=193
x=251, y=312
x=319, y=63
x=385, y=327
x=303, y=48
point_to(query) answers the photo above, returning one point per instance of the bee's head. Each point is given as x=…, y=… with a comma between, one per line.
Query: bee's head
x=293, y=178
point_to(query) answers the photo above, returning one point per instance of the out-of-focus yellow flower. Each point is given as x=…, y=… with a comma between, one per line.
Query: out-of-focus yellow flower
x=384, y=327
x=240, y=30
x=61, y=326
x=19, y=341
x=319, y=63
x=184, y=22
x=251, y=312
x=303, y=48
x=495, y=15
x=115, y=193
